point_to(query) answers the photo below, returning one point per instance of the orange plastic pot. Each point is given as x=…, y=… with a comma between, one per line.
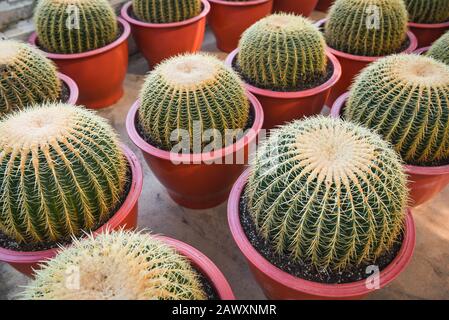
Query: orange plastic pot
x=158, y=41
x=201, y=180
x=351, y=65
x=73, y=88
x=125, y=217
x=280, y=285
x=302, y=7
x=324, y=5
x=98, y=73
x=281, y=107
x=424, y=182
x=229, y=19
x=428, y=33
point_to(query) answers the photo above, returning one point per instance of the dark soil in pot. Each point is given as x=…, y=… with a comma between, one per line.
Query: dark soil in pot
x=208, y=288
x=65, y=92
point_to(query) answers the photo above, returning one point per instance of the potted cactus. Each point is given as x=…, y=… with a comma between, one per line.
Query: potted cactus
x=302, y=7
x=405, y=99
x=164, y=28
x=88, y=43
x=284, y=62
x=28, y=78
x=127, y=265
x=359, y=32
x=62, y=173
x=440, y=49
x=324, y=5
x=195, y=125
x=322, y=207
x=428, y=19
x=230, y=18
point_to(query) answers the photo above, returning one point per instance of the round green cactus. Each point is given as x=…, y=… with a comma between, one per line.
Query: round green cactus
x=120, y=265
x=27, y=77
x=166, y=11
x=281, y=52
x=75, y=26
x=62, y=172
x=440, y=49
x=192, y=93
x=428, y=11
x=327, y=192
x=367, y=27
x=405, y=99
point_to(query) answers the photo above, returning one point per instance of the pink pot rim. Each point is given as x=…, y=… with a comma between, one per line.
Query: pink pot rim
x=239, y=4
x=293, y=94
x=357, y=288
x=336, y=111
x=59, y=56
x=429, y=25
x=422, y=50
x=204, y=264
x=125, y=15
x=412, y=47
x=12, y=256
x=247, y=139
x=73, y=88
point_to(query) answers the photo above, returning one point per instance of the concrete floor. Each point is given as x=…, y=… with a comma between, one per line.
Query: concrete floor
x=427, y=277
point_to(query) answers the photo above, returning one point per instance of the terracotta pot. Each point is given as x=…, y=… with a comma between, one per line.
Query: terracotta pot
x=98, y=73
x=125, y=217
x=158, y=41
x=302, y=7
x=204, y=265
x=73, y=88
x=428, y=33
x=202, y=180
x=324, y=5
x=424, y=182
x=281, y=107
x=280, y=285
x=351, y=65
x=229, y=20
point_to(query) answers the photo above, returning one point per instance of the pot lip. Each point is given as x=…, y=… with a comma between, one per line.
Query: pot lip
x=33, y=40
x=73, y=88
x=412, y=47
x=336, y=111
x=24, y=257
x=293, y=94
x=247, y=139
x=440, y=25
x=239, y=4
x=422, y=50
x=125, y=15
x=206, y=266
x=357, y=288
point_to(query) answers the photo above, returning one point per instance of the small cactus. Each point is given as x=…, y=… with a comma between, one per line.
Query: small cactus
x=120, y=265
x=281, y=52
x=62, y=172
x=440, y=49
x=327, y=192
x=75, y=26
x=405, y=98
x=166, y=11
x=367, y=27
x=195, y=93
x=428, y=11
x=27, y=77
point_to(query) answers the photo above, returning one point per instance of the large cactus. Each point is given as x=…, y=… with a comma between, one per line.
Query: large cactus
x=120, y=265
x=194, y=93
x=166, y=11
x=282, y=52
x=405, y=99
x=327, y=192
x=367, y=27
x=61, y=172
x=27, y=77
x=440, y=49
x=75, y=26
x=428, y=11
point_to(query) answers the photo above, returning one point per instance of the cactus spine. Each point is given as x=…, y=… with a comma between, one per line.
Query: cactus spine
x=440, y=49
x=166, y=11
x=428, y=11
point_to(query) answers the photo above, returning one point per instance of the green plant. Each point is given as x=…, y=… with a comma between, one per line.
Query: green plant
x=428, y=11
x=166, y=11
x=27, y=77
x=120, y=265
x=192, y=93
x=405, y=99
x=327, y=192
x=62, y=172
x=281, y=52
x=75, y=26
x=440, y=49
x=367, y=27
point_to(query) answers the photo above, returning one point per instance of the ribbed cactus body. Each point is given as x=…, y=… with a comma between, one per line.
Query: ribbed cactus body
x=428, y=11
x=367, y=27
x=62, y=172
x=75, y=26
x=328, y=193
x=27, y=77
x=281, y=52
x=120, y=265
x=166, y=11
x=440, y=49
x=192, y=94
